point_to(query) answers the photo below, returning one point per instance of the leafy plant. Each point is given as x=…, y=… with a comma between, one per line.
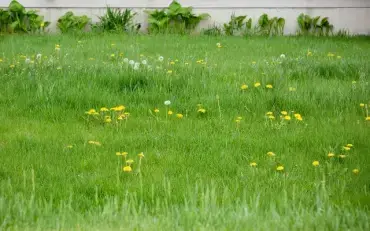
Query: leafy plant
x=237, y=24
x=270, y=26
x=72, y=23
x=175, y=19
x=17, y=19
x=116, y=20
x=314, y=26
x=213, y=31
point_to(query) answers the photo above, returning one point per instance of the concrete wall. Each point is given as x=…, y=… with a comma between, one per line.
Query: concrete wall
x=353, y=15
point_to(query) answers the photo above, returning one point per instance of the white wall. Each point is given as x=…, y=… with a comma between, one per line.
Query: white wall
x=353, y=15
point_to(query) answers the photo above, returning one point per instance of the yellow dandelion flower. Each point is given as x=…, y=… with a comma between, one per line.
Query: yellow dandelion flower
x=180, y=116
x=349, y=145
x=118, y=154
x=287, y=117
x=257, y=84
x=362, y=105
x=118, y=108
x=244, y=87
x=202, y=110
x=130, y=161
x=315, y=163
x=104, y=109
x=94, y=143
x=269, y=113
x=141, y=155
x=156, y=110
x=253, y=164
x=367, y=118
x=271, y=117
x=127, y=168
x=124, y=153
x=342, y=156
x=346, y=148
x=269, y=86
x=120, y=117
x=298, y=116
x=91, y=112
x=170, y=112
x=355, y=171
x=271, y=154
x=330, y=54
x=237, y=121
x=169, y=72
x=108, y=120
x=69, y=146
x=172, y=62
x=280, y=168
x=284, y=113
x=330, y=154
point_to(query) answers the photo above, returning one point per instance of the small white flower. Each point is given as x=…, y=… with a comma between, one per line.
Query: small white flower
x=167, y=102
x=131, y=62
x=125, y=60
x=38, y=56
x=161, y=58
x=218, y=44
x=136, y=66
x=27, y=60
x=282, y=56
x=144, y=62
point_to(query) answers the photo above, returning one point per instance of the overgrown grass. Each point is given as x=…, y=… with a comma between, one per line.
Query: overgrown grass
x=196, y=173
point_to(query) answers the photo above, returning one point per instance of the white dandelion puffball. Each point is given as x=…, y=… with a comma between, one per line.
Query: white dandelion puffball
x=161, y=58
x=125, y=60
x=218, y=44
x=144, y=62
x=27, y=60
x=282, y=56
x=136, y=66
x=38, y=56
x=131, y=62
x=167, y=102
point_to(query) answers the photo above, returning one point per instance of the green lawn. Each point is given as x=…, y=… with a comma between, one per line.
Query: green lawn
x=198, y=172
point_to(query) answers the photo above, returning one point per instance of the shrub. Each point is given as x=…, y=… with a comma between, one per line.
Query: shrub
x=313, y=26
x=17, y=20
x=116, y=20
x=72, y=23
x=270, y=26
x=238, y=25
x=174, y=19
